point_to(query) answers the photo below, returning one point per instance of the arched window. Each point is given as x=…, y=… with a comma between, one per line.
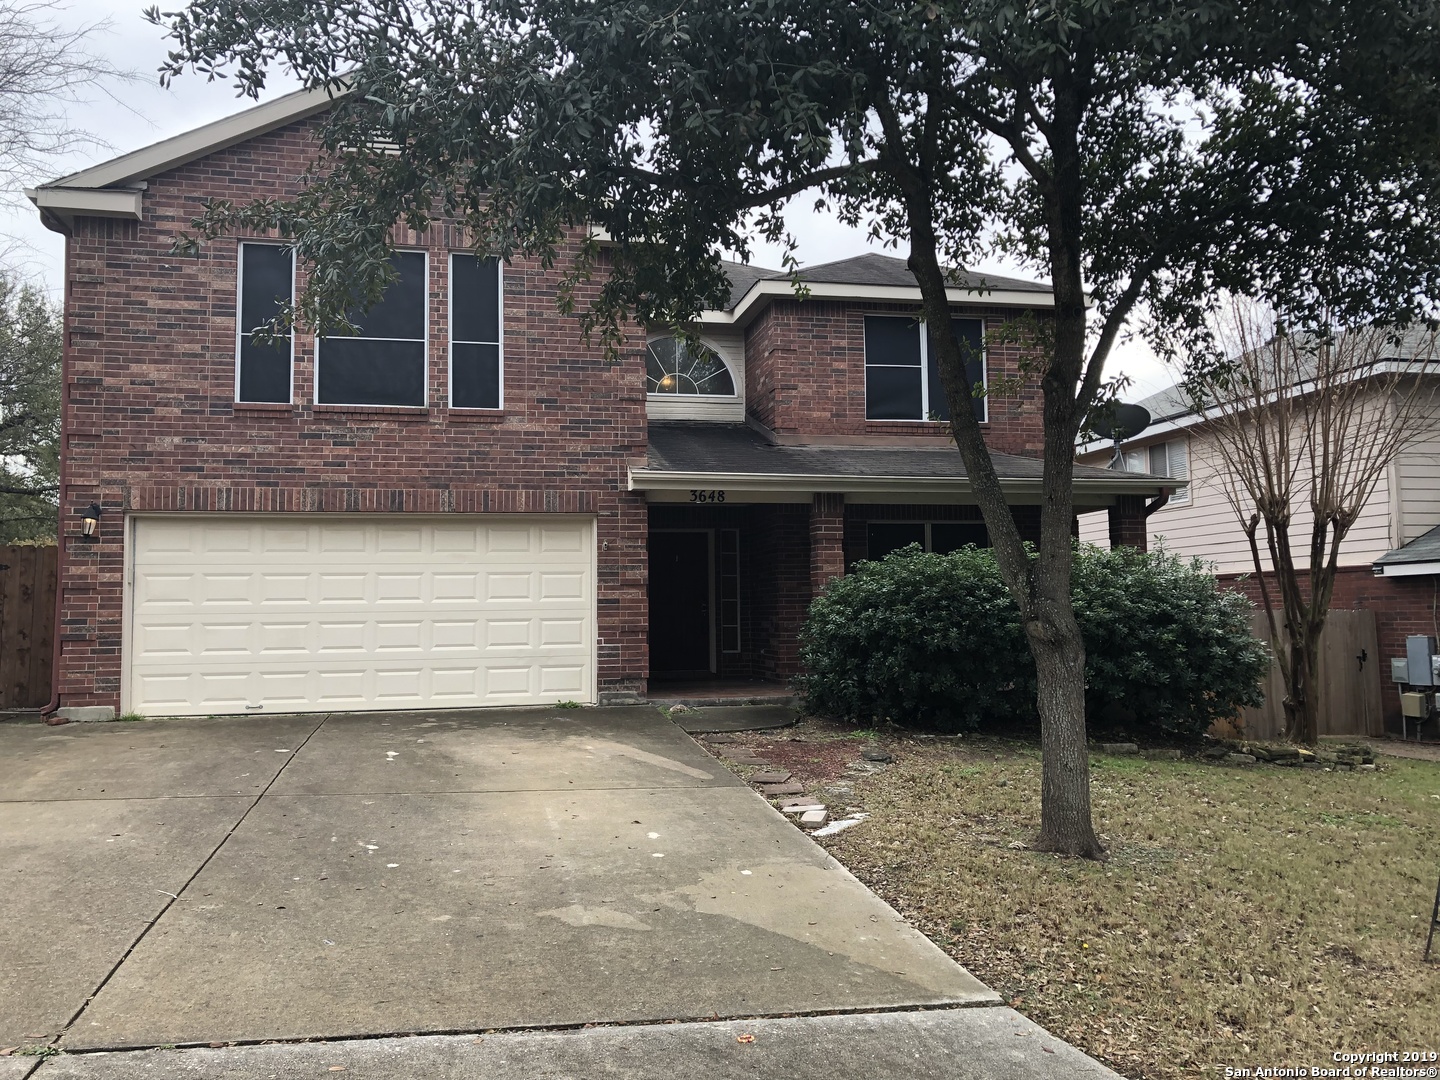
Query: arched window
x=675, y=366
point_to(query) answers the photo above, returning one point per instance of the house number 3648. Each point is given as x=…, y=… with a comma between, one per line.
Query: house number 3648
x=707, y=496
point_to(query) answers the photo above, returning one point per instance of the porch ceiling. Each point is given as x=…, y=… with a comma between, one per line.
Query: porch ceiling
x=739, y=460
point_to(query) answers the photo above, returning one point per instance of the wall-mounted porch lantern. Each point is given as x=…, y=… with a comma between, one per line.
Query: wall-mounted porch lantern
x=90, y=525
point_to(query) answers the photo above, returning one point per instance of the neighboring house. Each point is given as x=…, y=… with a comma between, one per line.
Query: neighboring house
x=1389, y=561
x=468, y=505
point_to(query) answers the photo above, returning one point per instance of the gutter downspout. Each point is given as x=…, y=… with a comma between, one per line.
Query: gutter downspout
x=1159, y=503
x=49, y=709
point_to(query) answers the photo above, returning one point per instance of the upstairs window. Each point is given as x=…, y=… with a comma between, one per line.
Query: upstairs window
x=476, y=361
x=676, y=366
x=384, y=364
x=1170, y=459
x=902, y=369
x=267, y=282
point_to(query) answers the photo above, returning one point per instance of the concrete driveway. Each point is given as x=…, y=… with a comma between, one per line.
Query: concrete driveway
x=299, y=896
x=174, y=882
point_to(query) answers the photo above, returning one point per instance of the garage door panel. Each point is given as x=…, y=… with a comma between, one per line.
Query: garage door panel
x=561, y=678
x=501, y=539
x=562, y=631
x=277, y=639
x=284, y=590
x=562, y=539
x=399, y=588
x=509, y=587
x=284, y=540
x=374, y=614
x=568, y=586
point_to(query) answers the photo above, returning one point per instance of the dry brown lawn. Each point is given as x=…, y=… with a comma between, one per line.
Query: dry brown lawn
x=1253, y=916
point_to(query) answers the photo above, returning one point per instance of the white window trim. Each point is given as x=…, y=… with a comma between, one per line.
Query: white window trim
x=239, y=307
x=925, y=370
x=425, y=340
x=1180, y=496
x=735, y=381
x=1139, y=457
x=450, y=335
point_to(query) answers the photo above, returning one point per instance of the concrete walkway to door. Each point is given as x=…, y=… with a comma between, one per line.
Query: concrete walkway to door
x=328, y=877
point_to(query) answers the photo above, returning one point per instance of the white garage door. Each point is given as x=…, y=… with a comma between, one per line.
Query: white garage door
x=283, y=614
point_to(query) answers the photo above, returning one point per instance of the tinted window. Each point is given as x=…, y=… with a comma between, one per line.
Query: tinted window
x=385, y=363
x=971, y=335
x=266, y=284
x=948, y=536
x=887, y=536
x=475, y=351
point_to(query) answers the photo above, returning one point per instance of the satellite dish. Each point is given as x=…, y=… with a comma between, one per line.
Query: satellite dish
x=1119, y=421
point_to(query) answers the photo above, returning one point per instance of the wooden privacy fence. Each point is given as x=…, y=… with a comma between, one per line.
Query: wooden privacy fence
x=27, y=625
x=1350, y=702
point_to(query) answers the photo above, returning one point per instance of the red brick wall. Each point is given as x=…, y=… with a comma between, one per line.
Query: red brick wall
x=1402, y=606
x=805, y=375
x=153, y=425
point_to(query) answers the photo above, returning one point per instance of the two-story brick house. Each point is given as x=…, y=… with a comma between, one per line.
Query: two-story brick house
x=467, y=504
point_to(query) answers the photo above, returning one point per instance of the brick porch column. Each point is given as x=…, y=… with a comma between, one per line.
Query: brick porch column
x=827, y=540
x=1127, y=522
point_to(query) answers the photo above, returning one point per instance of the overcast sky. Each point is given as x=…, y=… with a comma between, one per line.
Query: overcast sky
x=138, y=113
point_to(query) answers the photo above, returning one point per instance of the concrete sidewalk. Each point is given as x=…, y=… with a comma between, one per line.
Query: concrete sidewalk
x=352, y=876
x=954, y=1044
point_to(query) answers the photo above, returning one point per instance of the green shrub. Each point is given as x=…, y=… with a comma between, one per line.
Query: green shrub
x=935, y=641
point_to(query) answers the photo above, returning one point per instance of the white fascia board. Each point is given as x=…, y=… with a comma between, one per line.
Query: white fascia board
x=667, y=480
x=167, y=154
x=762, y=292
x=1408, y=569
x=70, y=203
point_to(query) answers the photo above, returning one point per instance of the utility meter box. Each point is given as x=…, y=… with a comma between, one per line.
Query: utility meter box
x=1421, y=660
x=1399, y=671
x=1414, y=705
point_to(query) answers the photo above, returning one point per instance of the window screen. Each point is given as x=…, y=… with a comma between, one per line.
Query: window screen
x=266, y=283
x=894, y=374
x=384, y=364
x=884, y=537
x=941, y=537
x=902, y=368
x=948, y=536
x=475, y=360
x=971, y=335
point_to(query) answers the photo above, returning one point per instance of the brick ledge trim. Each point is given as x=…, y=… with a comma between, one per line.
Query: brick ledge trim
x=428, y=500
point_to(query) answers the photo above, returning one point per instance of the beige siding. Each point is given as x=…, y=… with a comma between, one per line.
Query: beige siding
x=1417, y=473
x=1208, y=526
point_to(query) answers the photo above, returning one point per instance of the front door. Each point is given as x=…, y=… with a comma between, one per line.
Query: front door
x=680, y=620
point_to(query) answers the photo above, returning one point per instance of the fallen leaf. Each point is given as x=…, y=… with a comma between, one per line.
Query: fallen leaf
x=6, y=1051
x=337, y=1068
x=746, y=1038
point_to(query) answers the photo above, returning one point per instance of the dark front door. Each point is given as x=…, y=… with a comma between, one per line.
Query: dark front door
x=679, y=602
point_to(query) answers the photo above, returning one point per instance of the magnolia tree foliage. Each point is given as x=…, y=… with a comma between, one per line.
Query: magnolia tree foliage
x=1138, y=153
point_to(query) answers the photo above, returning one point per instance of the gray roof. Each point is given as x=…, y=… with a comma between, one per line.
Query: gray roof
x=884, y=271
x=1171, y=403
x=743, y=276
x=686, y=447
x=1423, y=549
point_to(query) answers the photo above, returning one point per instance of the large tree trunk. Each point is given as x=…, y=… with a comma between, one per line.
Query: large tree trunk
x=1040, y=585
x=1065, y=816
